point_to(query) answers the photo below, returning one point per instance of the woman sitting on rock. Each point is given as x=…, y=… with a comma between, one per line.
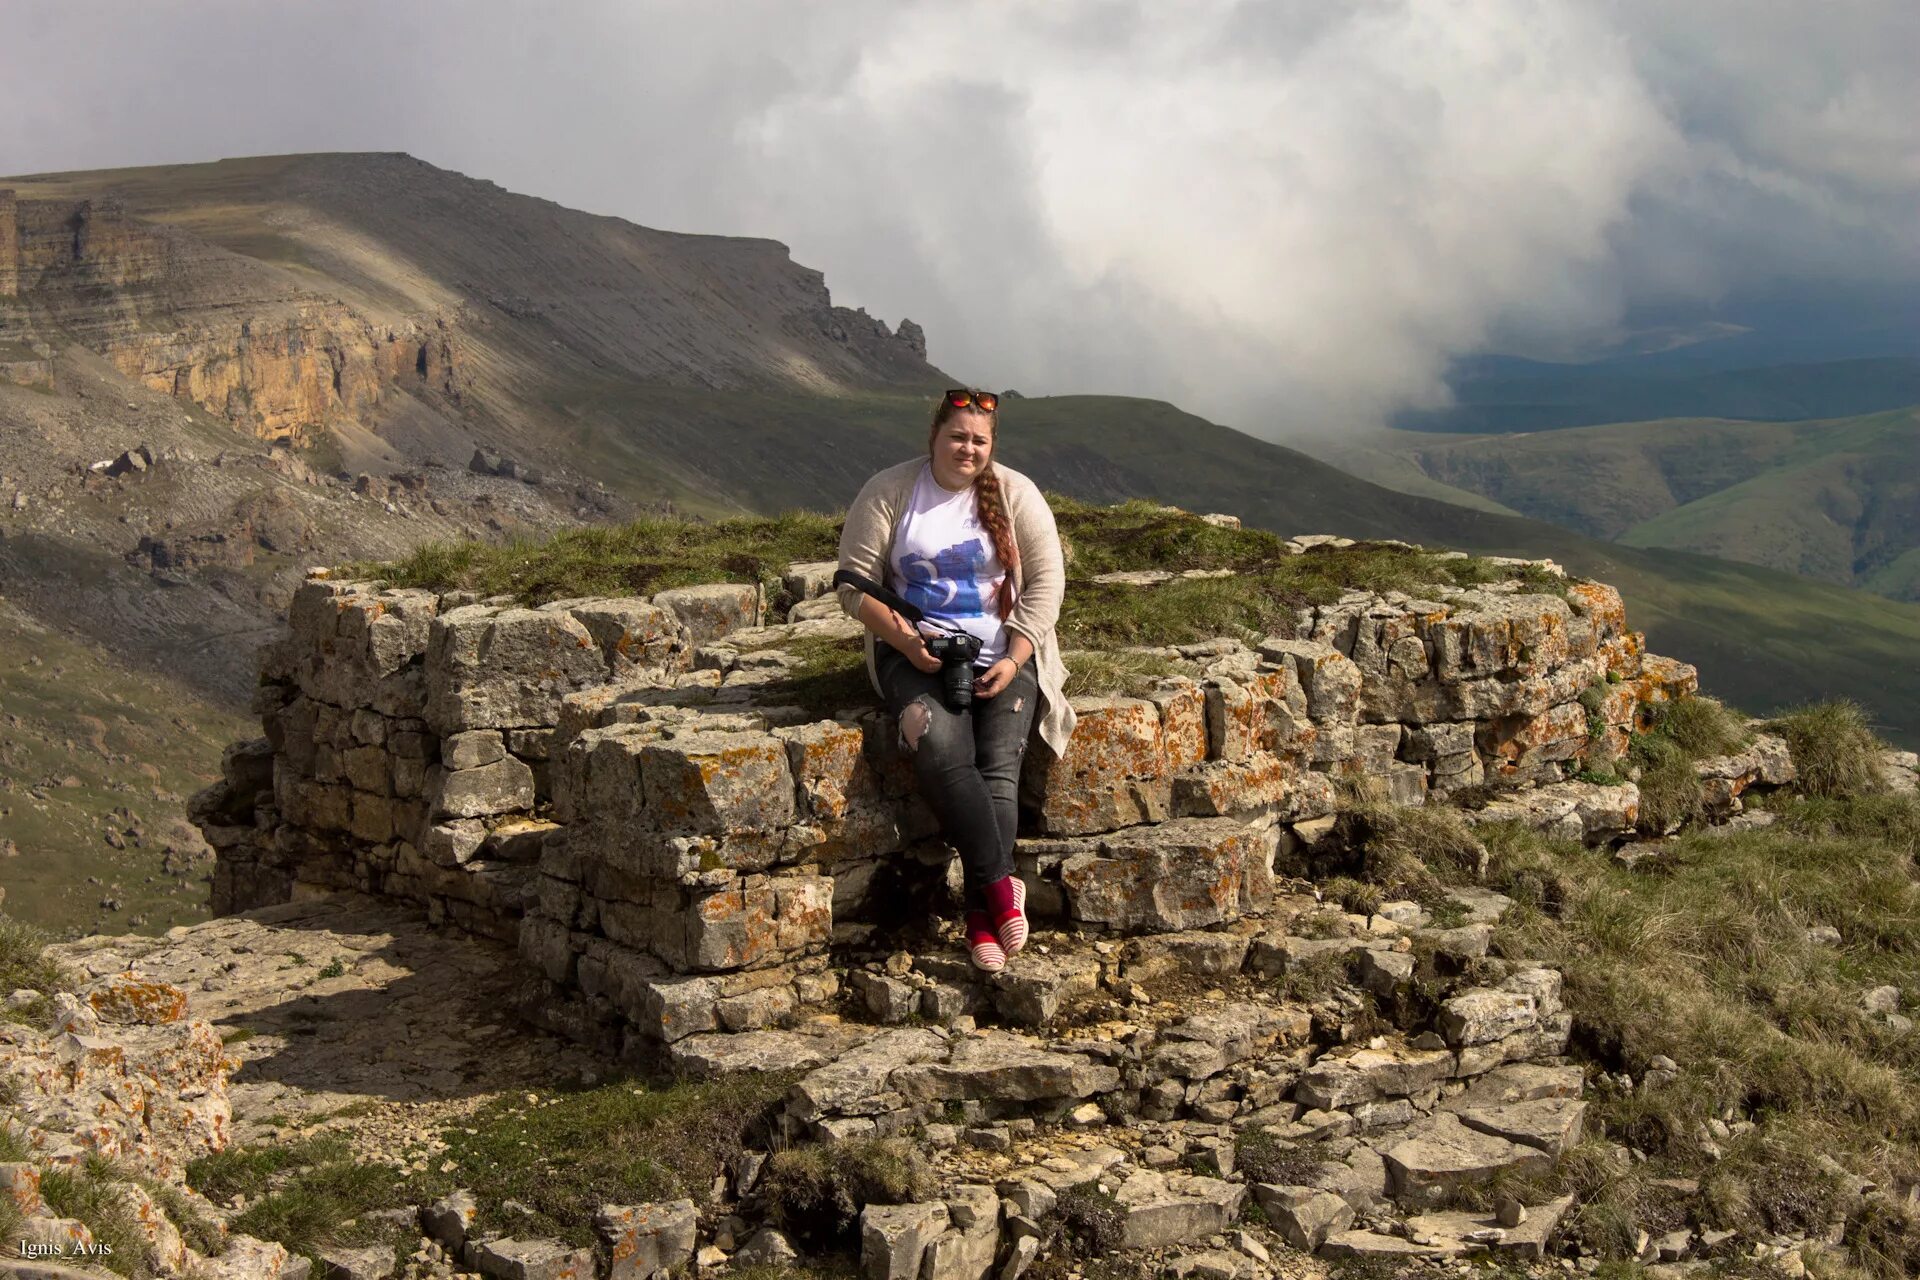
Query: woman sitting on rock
x=971, y=544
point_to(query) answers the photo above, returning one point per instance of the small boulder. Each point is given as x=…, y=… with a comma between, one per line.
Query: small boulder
x=643, y=1240
x=894, y=1238
x=1304, y=1216
x=510, y=1259
x=338, y=1262
x=450, y=1218
x=766, y=1248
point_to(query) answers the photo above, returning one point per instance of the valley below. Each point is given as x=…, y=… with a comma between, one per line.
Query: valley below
x=1833, y=499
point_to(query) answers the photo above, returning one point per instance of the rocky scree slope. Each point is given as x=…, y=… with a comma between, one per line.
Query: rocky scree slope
x=143, y=545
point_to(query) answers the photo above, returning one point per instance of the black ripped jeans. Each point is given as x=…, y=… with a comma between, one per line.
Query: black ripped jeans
x=968, y=762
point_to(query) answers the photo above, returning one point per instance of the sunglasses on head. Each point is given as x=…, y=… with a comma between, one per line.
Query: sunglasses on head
x=985, y=401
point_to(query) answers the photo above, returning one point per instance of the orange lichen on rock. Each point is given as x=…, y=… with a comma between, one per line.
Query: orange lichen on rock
x=127, y=997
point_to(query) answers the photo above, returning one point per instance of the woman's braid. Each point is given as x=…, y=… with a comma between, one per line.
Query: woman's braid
x=992, y=507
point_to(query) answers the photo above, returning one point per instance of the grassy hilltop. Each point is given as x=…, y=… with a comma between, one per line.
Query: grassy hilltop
x=1762, y=639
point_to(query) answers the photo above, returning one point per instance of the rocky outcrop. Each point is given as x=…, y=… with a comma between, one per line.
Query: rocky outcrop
x=699, y=872
x=122, y=1073
x=283, y=375
x=115, y=1070
x=627, y=791
x=9, y=244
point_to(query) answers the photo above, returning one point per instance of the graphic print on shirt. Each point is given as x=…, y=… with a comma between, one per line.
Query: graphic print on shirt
x=946, y=584
x=942, y=561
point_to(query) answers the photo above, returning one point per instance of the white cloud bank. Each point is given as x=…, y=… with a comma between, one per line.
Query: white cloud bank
x=1286, y=214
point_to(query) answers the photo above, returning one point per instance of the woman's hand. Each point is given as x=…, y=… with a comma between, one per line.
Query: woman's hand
x=888, y=625
x=908, y=640
x=994, y=678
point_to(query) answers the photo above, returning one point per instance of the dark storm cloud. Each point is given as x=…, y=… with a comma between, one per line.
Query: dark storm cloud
x=1282, y=214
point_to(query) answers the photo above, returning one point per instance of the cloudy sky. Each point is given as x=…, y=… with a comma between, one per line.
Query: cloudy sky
x=1281, y=213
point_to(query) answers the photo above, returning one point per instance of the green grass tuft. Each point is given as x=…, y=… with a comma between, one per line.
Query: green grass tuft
x=22, y=966
x=1669, y=788
x=1261, y=1157
x=639, y=558
x=1701, y=726
x=815, y=1193
x=1118, y=672
x=651, y=555
x=562, y=1156
x=1400, y=848
x=199, y=1230
x=92, y=1193
x=1356, y=896
x=1681, y=732
x=1314, y=978
x=310, y=1209
x=1835, y=753
x=617, y=1143
x=222, y=1175
x=1092, y=1221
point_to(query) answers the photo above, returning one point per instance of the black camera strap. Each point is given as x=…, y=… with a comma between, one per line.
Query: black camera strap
x=912, y=613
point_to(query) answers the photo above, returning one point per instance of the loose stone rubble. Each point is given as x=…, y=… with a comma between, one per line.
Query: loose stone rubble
x=121, y=1072
x=699, y=875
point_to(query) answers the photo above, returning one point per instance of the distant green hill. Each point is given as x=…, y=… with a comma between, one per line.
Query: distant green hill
x=1841, y=502
x=1837, y=499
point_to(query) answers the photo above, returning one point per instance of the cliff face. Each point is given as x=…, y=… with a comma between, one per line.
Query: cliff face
x=187, y=318
x=9, y=245
x=282, y=376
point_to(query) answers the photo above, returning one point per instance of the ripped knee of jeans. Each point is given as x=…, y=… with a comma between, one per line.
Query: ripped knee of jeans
x=914, y=722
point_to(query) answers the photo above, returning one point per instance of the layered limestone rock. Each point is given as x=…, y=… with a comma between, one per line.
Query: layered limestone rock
x=228, y=333
x=625, y=801
x=627, y=792
x=701, y=873
x=1161, y=1062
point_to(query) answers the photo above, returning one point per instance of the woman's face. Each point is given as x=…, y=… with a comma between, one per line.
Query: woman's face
x=962, y=448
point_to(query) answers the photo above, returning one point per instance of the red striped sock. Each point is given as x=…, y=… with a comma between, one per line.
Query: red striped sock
x=983, y=943
x=1007, y=908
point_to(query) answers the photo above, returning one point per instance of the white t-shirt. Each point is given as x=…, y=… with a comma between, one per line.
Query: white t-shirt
x=943, y=561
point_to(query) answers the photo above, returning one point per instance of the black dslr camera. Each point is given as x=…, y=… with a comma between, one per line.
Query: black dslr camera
x=956, y=649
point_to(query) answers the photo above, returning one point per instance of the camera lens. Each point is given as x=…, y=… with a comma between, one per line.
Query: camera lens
x=957, y=678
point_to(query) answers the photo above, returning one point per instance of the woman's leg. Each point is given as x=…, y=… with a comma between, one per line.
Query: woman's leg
x=1001, y=725
x=942, y=744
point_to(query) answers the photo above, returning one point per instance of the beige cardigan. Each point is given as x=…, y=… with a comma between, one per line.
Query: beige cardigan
x=1039, y=581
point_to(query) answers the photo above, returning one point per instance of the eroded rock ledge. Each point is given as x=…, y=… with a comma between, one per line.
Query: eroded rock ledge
x=629, y=792
x=692, y=870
